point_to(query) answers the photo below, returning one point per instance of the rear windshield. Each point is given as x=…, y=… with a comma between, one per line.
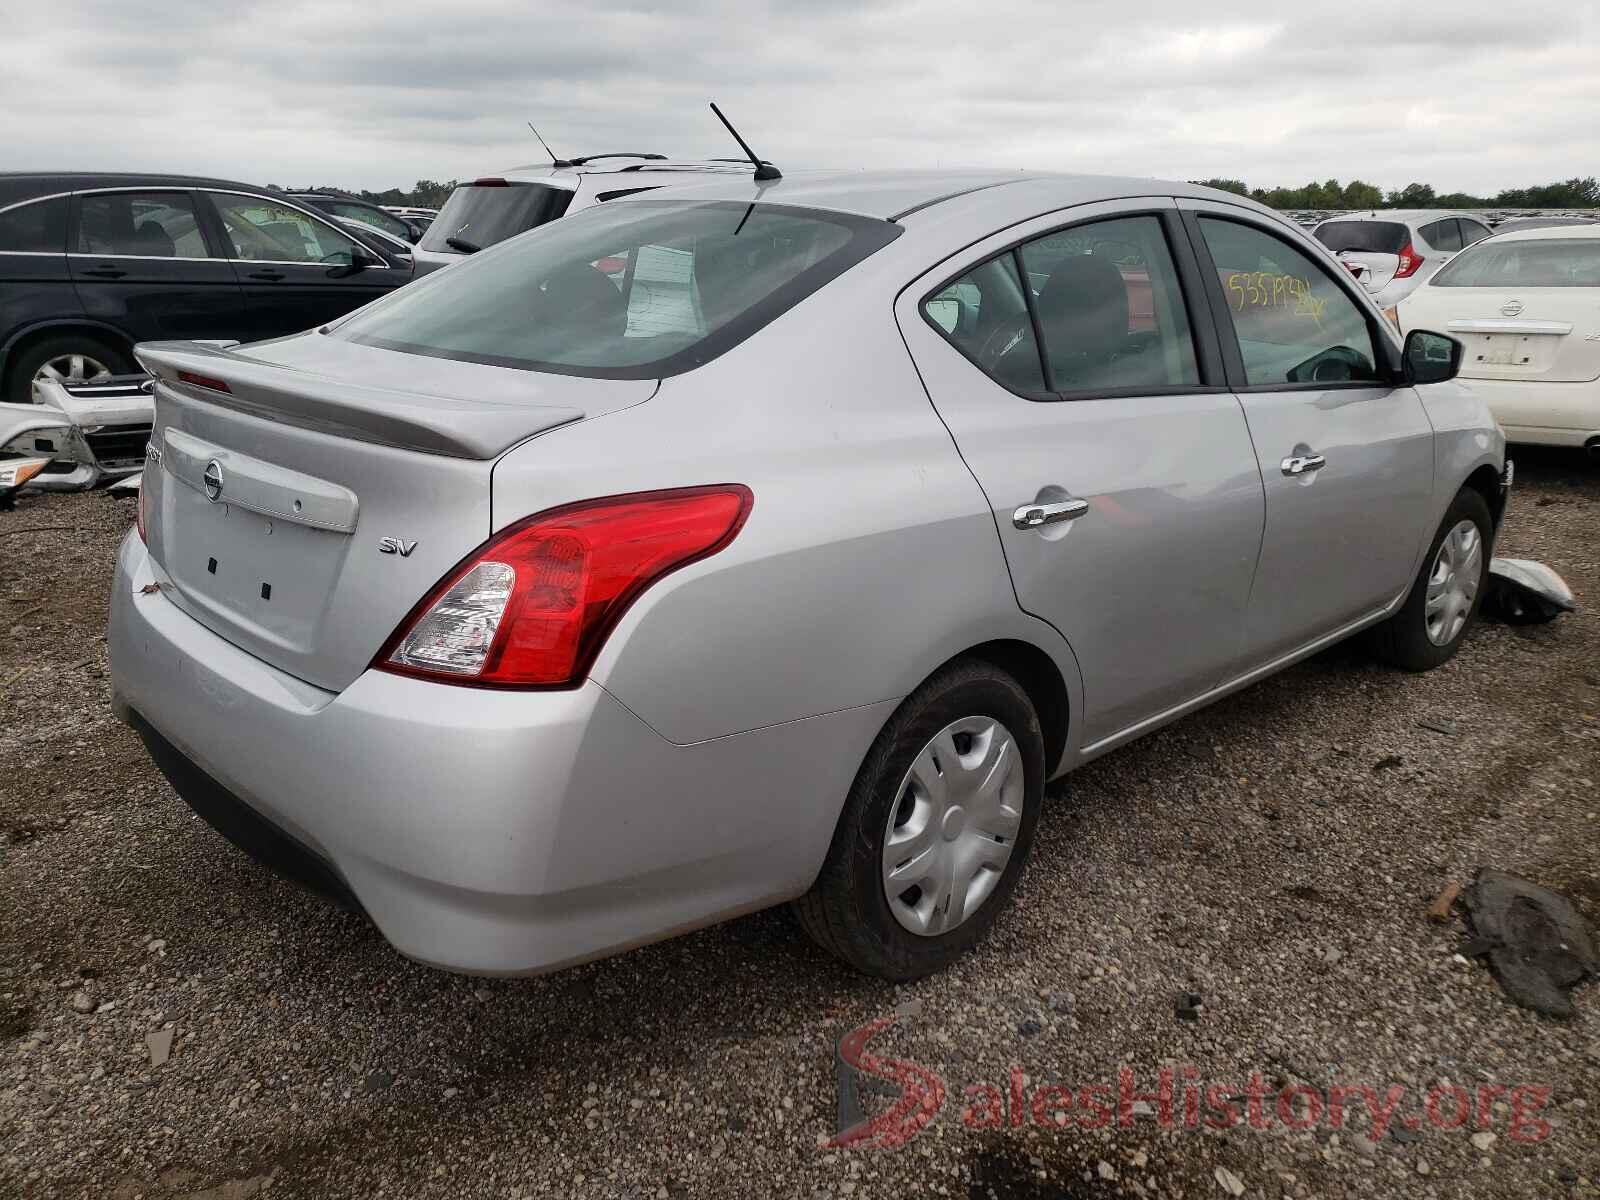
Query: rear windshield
x=1560, y=262
x=630, y=291
x=1364, y=237
x=481, y=214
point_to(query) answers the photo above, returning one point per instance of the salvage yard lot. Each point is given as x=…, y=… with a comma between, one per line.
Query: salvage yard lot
x=1275, y=854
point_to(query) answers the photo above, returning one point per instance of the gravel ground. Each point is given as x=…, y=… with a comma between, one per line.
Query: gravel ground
x=1274, y=854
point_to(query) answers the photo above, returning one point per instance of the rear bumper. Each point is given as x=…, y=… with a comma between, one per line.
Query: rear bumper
x=487, y=832
x=1547, y=414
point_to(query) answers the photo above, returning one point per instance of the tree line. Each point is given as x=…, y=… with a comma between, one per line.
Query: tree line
x=1572, y=193
x=426, y=193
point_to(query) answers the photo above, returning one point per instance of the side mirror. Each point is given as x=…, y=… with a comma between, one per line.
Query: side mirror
x=352, y=262
x=1430, y=357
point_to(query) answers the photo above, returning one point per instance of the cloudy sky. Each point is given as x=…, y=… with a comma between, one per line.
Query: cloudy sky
x=1470, y=95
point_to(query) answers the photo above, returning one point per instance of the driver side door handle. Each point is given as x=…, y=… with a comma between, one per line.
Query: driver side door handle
x=1303, y=464
x=1031, y=516
x=267, y=276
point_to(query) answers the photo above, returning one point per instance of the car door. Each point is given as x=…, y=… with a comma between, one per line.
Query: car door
x=141, y=261
x=34, y=281
x=1346, y=452
x=297, y=271
x=1117, y=464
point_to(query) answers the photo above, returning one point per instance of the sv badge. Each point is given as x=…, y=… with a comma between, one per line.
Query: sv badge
x=393, y=545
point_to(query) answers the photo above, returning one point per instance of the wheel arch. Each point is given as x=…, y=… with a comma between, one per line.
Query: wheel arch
x=1043, y=681
x=1485, y=480
x=37, y=332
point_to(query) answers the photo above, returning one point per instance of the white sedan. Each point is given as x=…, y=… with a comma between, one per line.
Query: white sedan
x=1527, y=307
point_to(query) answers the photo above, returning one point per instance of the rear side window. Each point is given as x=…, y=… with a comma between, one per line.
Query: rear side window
x=629, y=291
x=1104, y=297
x=1293, y=323
x=482, y=214
x=1471, y=232
x=1442, y=235
x=146, y=224
x=38, y=228
x=984, y=314
x=1559, y=262
x=1364, y=237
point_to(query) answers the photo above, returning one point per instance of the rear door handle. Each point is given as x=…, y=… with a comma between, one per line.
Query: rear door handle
x=105, y=272
x=1303, y=464
x=1031, y=516
x=267, y=276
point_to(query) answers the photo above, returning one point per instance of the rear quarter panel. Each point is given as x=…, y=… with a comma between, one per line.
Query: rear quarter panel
x=869, y=558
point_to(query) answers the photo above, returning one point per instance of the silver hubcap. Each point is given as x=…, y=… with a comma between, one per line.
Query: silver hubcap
x=70, y=368
x=953, y=826
x=1453, y=583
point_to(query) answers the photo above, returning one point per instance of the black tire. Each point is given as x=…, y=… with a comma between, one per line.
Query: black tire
x=1402, y=641
x=847, y=911
x=26, y=362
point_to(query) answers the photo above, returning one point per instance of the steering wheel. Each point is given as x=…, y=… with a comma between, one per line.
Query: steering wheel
x=1002, y=339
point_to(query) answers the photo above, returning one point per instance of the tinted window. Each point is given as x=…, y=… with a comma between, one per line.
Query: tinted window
x=483, y=214
x=38, y=227
x=149, y=224
x=625, y=290
x=1559, y=262
x=1442, y=235
x=266, y=231
x=376, y=218
x=1471, y=232
x=1369, y=237
x=1293, y=323
x=984, y=314
x=1109, y=307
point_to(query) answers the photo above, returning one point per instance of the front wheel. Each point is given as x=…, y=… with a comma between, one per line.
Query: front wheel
x=1443, y=603
x=936, y=829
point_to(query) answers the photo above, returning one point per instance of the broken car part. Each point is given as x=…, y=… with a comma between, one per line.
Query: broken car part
x=1524, y=592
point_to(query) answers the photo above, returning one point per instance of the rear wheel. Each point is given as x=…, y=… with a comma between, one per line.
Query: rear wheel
x=68, y=358
x=937, y=827
x=1443, y=604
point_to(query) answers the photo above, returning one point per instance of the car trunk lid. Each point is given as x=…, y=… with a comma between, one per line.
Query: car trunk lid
x=1528, y=334
x=301, y=515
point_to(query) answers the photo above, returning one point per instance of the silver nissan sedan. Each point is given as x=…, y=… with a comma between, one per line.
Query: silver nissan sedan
x=774, y=542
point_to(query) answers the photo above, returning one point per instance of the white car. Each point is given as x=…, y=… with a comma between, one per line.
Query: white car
x=1527, y=308
x=1391, y=251
x=487, y=211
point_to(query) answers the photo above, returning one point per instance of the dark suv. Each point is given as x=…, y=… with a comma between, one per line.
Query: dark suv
x=92, y=263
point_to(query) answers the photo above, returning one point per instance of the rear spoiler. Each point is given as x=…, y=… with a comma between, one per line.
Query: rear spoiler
x=445, y=425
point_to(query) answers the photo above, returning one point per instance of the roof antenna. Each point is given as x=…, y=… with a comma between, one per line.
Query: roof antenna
x=764, y=170
x=554, y=161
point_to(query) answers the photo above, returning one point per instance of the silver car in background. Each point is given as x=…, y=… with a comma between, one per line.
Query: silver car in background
x=1391, y=251
x=774, y=542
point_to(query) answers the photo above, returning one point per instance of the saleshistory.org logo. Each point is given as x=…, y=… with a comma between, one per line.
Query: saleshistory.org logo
x=1180, y=1099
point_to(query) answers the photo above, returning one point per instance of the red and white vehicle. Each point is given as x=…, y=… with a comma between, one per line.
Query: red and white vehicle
x=1391, y=251
x=1527, y=308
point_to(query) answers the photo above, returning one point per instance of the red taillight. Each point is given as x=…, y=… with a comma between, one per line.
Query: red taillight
x=490, y=183
x=1410, y=260
x=138, y=512
x=205, y=381
x=533, y=605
